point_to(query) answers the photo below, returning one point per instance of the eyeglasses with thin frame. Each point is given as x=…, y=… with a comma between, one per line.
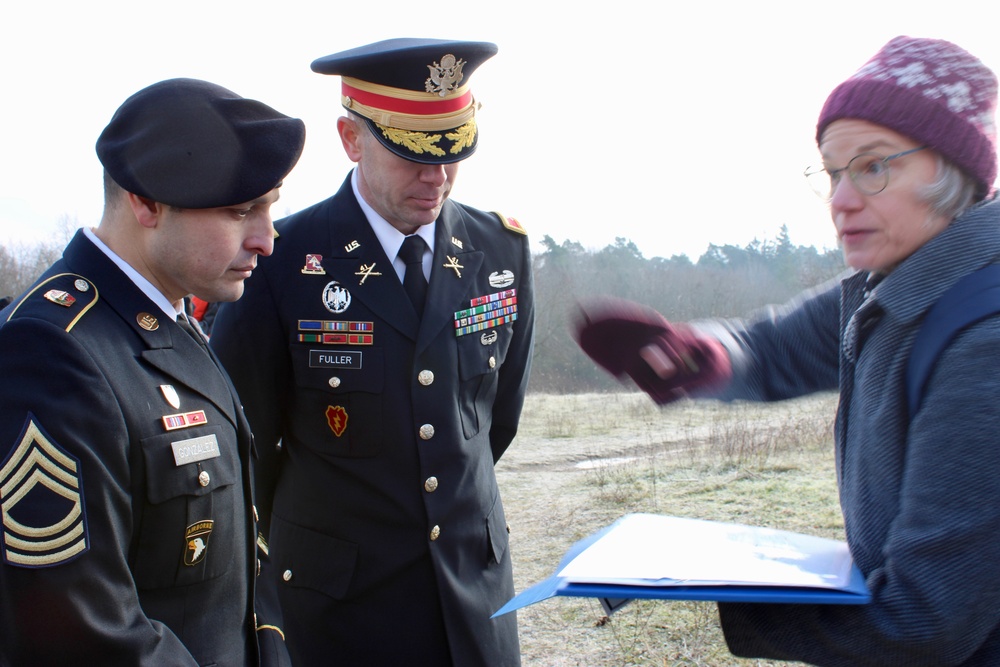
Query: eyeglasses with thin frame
x=868, y=171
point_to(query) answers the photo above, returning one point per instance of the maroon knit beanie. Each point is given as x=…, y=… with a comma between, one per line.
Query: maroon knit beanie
x=931, y=91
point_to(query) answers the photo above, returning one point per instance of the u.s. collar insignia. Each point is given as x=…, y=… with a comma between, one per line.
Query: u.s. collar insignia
x=501, y=278
x=196, y=538
x=336, y=298
x=456, y=242
x=147, y=321
x=313, y=266
x=41, y=493
x=352, y=246
x=444, y=76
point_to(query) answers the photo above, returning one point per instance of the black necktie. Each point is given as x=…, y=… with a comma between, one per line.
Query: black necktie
x=412, y=254
x=184, y=323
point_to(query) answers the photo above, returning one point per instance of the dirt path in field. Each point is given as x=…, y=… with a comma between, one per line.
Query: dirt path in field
x=549, y=478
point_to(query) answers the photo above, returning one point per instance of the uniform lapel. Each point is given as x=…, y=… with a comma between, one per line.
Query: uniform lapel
x=456, y=265
x=169, y=348
x=358, y=262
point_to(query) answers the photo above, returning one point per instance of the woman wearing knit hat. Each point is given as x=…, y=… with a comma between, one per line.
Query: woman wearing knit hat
x=909, y=159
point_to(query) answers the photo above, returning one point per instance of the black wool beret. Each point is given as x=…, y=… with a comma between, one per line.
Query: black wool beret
x=193, y=144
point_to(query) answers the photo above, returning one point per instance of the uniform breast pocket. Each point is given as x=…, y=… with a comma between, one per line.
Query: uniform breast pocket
x=337, y=408
x=192, y=511
x=480, y=356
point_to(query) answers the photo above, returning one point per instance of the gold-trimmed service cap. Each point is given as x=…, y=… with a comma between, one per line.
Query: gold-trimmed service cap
x=414, y=94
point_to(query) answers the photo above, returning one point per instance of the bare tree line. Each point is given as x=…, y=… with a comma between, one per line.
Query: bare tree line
x=727, y=281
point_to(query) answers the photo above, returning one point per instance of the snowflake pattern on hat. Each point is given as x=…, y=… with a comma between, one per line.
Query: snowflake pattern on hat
x=940, y=71
x=933, y=92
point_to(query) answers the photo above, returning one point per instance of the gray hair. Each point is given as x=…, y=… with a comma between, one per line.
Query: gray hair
x=952, y=192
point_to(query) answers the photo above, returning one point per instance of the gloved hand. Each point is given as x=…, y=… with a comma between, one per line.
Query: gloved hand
x=666, y=361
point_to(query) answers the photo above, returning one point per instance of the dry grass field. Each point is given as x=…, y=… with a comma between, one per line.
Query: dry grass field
x=581, y=461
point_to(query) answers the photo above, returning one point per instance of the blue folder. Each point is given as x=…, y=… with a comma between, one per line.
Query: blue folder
x=614, y=593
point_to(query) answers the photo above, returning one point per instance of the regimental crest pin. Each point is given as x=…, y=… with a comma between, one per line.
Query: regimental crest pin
x=196, y=541
x=336, y=298
x=314, y=266
x=171, y=396
x=60, y=297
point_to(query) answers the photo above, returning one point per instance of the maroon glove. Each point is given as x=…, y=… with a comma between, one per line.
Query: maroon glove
x=620, y=336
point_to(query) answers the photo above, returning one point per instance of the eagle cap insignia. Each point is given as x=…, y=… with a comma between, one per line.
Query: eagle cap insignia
x=445, y=76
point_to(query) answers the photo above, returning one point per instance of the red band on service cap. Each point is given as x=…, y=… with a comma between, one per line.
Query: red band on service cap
x=433, y=106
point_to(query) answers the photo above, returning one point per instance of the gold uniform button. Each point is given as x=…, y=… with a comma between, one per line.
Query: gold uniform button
x=204, y=478
x=431, y=485
x=425, y=378
x=435, y=533
x=426, y=432
x=334, y=381
x=287, y=575
x=493, y=362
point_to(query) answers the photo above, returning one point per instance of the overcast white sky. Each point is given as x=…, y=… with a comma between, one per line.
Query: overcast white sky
x=673, y=125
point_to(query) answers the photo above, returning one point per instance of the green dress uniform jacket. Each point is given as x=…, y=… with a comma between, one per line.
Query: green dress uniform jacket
x=388, y=538
x=128, y=528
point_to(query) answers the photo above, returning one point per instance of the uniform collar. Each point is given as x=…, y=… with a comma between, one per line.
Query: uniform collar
x=388, y=236
x=144, y=285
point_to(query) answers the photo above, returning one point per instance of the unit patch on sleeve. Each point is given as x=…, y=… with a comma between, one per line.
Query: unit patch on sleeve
x=41, y=498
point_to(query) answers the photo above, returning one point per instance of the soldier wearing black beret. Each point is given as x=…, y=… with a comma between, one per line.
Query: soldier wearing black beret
x=393, y=382
x=129, y=531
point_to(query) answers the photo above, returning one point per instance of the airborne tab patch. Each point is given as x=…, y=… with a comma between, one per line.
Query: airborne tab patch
x=41, y=498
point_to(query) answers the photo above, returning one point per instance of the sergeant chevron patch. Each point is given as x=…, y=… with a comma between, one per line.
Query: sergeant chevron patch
x=41, y=502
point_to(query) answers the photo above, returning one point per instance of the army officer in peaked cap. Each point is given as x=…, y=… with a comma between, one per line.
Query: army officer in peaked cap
x=128, y=522
x=393, y=382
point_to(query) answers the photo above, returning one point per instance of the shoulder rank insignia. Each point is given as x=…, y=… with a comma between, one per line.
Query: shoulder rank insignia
x=511, y=223
x=41, y=495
